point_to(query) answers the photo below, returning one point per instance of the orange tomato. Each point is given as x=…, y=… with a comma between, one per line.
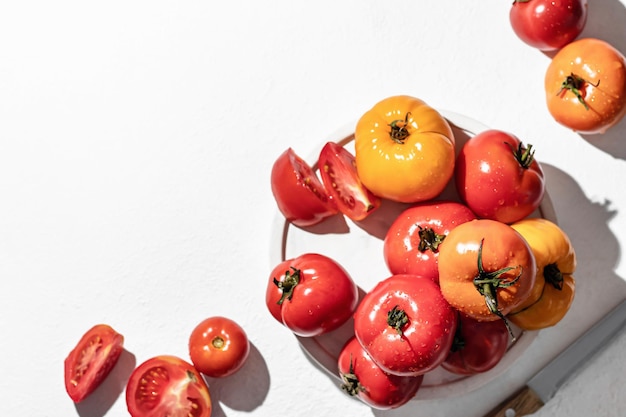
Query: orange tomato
x=585, y=86
x=404, y=150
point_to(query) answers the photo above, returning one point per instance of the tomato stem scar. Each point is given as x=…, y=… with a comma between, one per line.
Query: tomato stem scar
x=288, y=284
x=397, y=318
x=399, y=129
x=524, y=155
x=574, y=84
x=351, y=383
x=429, y=239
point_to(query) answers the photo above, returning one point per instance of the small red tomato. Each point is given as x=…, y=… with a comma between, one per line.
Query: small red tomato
x=299, y=194
x=405, y=325
x=311, y=294
x=93, y=358
x=412, y=242
x=338, y=172
x=478, y=346
x=546, y=24
x=498, y=177
x=218, y=347
x=363, y=379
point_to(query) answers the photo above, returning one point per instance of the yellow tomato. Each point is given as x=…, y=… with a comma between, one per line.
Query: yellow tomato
x=553, y=292
x=404, y=150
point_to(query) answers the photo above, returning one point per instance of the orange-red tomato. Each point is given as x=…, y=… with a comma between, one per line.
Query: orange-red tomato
x=404, y=150
x=218, y=346
x=585, y=86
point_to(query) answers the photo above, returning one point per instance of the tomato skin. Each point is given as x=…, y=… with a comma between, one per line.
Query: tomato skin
x=323, y=295
x=299, y=194
x=493, y=182
x=554, y=289
x=478, y=347
x=167, y=385
x=411, y=243
x=409, y=163
x=218, y=347
x=369, y=383
x=91, y=360
x=338, y=171
x=416, y=346
x=548, y=25
x=502, y=247
x=595, y=73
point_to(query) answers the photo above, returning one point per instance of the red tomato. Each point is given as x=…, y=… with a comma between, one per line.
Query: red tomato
x=167, y=386
x=311, y=294
x=412, y=242
x=299, y=194
x=478, y=346
x=547, y=24
x=363, y=379
x=338, y=171
x=498, y=177
x=218, y=347
x=405, y=325
x=89, y=363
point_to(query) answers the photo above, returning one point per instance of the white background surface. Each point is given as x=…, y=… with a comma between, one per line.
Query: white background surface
x=137, y=141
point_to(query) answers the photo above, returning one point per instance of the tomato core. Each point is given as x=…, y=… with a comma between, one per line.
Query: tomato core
x=553, y=275
x=218, y=343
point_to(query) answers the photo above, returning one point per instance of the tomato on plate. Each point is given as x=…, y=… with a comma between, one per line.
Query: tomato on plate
x=405, y=324
x=338, y=171
x=91, y=360
x=554, y=289
x=364, y=379
x=547, y=24
x=411, y=245
x=404, y=150
x=299, y=194
x=486, y=269
x=311, y=294
x=218, y=346
x=167, y=386
x=478, y=346
x=585, y=86
x=498, y=177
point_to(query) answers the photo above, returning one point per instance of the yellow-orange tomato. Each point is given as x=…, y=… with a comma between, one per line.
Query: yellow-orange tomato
x=404, y=150
x=553, y=292
x=585, y=86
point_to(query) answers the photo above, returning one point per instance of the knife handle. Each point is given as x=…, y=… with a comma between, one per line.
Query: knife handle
x=522, y=403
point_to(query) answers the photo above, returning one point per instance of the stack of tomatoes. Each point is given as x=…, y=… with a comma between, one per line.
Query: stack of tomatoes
x=461, y=270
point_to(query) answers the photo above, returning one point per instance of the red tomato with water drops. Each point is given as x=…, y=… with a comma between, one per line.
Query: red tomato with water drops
x=405, y=325
x=363, y=378
x=498, y=177
x=547, y=24
x=412, y=242
x=339, y=176
x=311, y=294
x=91, y=360
x=299, y=194
x=478, y=346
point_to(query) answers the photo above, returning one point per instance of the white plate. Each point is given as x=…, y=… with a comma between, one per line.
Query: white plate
x=358, y=247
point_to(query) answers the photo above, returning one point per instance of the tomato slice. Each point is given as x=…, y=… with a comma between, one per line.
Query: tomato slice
x=167, y=386
x=91, y=360
x=338, y=171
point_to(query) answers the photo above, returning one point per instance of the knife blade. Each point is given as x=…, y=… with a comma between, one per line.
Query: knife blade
x=545, y=383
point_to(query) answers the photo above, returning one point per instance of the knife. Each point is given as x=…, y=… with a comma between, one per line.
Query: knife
x=544, y=384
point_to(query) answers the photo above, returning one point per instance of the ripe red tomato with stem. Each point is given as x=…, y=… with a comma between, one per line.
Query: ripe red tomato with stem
x=546, y=24
x=337, y=168
x=218, y=346
x=478, y=346
x=405, y=324
x=364, y=379
x=311, y=294
x=91, y=360
x=299, y=193
x=411, y=245
x=167, y=386
x=498, y=177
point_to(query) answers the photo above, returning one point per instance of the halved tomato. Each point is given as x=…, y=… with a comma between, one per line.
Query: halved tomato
x=167, y=386
x=338, y=171
x=91, y=360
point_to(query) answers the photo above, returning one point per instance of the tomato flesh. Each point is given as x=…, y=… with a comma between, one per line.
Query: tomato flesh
x=93, y=358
